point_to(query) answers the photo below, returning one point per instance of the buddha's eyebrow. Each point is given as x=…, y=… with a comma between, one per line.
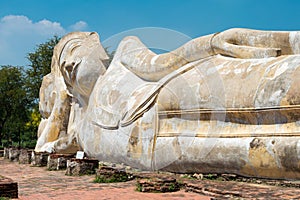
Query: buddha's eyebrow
x=75, y=47
x=76, y=41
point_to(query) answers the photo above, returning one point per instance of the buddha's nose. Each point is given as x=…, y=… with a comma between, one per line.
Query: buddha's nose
x=69, y=66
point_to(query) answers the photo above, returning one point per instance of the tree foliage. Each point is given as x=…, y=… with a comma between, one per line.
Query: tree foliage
x=110, y=56
x=40, y=65
x=14, y=102
x=19, y=93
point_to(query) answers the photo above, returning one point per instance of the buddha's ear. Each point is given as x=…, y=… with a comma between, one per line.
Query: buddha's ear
x=96, y=40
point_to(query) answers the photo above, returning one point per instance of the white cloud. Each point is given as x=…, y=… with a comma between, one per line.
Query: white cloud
x=19, y=35
x=79, y=26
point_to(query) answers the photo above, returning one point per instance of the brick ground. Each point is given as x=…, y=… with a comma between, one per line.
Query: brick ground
x=37, y=183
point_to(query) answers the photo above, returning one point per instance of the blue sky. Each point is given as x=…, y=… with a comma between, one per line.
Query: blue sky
x=26, y=23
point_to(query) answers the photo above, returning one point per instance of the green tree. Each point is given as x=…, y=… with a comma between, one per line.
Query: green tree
x=14, y=101
x=40, y=65
x=110, y=55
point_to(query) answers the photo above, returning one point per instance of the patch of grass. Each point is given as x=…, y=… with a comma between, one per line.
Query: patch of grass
x=172, y=187
x=4, y=198
x=214, y=177
x=112, y=179
x=139, y=187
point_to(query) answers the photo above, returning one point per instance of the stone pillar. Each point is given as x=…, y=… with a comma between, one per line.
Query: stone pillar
x=13, y=154
x=58, y=161
x=25, y=156
x=78, y=167
x=6, y=152
x=39, y=159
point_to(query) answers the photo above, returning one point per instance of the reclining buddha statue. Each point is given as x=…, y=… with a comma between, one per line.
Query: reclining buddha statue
x=223, y=103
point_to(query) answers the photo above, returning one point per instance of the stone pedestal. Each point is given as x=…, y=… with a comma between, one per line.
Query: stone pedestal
x=13, y=154
x=110, y=175
x=25, y=156
x=78, y=167
x=58, y=161
x=8, y=188
x=39, y=159
x=6, y=152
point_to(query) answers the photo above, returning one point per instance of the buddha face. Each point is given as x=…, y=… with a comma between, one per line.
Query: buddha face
x=81, y=62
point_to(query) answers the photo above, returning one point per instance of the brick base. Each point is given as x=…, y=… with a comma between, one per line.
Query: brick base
x=8, y=188
x=157, y=184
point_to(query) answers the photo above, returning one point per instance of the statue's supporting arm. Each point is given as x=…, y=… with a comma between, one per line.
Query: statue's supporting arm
x=238, y=43
x=152, y=67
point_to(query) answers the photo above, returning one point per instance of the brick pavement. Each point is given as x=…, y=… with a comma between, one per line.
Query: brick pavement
x=38, y=183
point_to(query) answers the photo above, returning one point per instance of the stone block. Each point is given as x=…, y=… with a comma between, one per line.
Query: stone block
x=78, y=167
x=6, y=152
x=58, y=161
x=13, y=154
x=39, y=159
x=8, y=188
x=110, y=175
x=25, y=156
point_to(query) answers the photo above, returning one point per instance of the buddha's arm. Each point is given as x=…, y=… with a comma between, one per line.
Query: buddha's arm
x=146, y=64
x=238, y=43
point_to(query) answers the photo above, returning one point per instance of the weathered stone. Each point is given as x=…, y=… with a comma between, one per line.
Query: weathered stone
x=157, y=184
x=6, y=152
x=109, y=175
x=25, y=156
x=78, y=167
x=226, y=102
x=39, y=159
x=58, y=161
x=8, y=188
x=13, y=154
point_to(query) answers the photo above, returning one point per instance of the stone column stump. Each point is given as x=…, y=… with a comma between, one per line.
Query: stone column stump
x=107, y=174
x=39, y=159
x=78, y=167
x=25, y=156
x=6, y=152
x=58, y=161
x=13, y=154
x=8, y=188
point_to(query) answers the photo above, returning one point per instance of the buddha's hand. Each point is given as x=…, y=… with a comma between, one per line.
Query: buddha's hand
x=245, y=43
